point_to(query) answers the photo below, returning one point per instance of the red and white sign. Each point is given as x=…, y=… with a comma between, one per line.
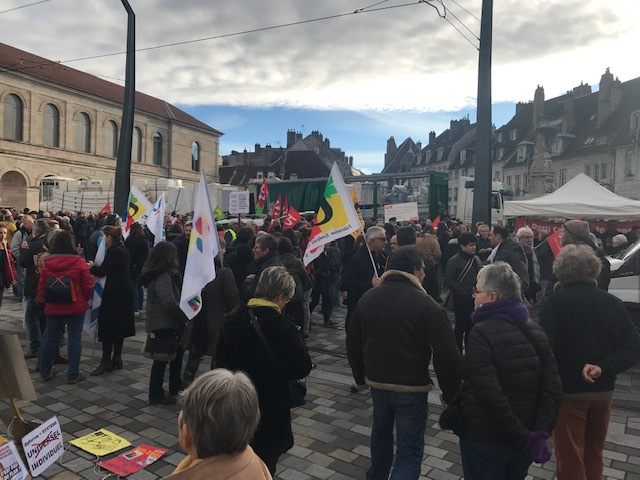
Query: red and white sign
x=404, y=212
x=292, y=218
x=43, y=446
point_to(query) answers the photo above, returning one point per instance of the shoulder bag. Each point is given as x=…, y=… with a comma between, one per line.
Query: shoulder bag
x=297, y=388
x=449, y=302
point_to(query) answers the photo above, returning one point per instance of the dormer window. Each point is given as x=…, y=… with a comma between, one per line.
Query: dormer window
x=259, y=175
x=463, y=156
x=512, y=134
x=440, y=154
x=635, y=122
x=499, y=137
x=522, y=152
x=557, y=146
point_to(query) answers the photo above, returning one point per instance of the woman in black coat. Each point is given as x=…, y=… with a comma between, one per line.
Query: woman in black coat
x=240, y=348
x=115, y=320
x=511, y=388
x=138, y=248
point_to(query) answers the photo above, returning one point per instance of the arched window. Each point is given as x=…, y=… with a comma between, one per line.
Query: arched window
x=111, y=139
x=136, y=146
x=195, y=157
x=13, y=117
x=51, y=126
x=83, y=133
x=157, y=148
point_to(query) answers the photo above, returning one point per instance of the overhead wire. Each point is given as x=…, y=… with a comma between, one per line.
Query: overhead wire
x=444, y=16
x=454, y=1
x=24, y=6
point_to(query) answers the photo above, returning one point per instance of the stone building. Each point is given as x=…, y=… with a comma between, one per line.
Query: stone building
x=56, y=121
x=597, y=133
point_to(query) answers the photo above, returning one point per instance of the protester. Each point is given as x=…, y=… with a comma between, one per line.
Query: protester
x=511, y=389
x=428, y=244
x=460, y=278
x=33, y=311
x=165, y=319
x=295, y=308
x=241, y=348
x=360, y=275
x=138, y=248
x=407, y=237
x=618, y=244
x=115, y=320
x=219, y=297
x=67, y=272
x=524, y=237
x=8, y=273
x=238, y=255
x=219, y=416
x=326, y=272
x=395, y=330
x=26, y=226
x=506, y=250
x=593, y=339
x=265, y=253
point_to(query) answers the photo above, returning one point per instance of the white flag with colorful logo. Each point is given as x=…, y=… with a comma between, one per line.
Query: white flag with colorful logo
x=155, y=222
x=91, y=316
x=336, y=217
x=139, y=210
x=203, y=248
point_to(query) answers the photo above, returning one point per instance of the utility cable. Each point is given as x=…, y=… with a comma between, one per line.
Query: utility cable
x=461, y=22
x=24, y=6
x=454, y=1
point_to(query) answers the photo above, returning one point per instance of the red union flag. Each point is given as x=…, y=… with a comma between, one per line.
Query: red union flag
x=262, y=198
x=555, y=242
x=291, y=219
x=285, y=206
x=276, y=209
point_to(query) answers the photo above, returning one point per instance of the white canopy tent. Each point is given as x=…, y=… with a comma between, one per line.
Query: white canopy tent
x=580, y=197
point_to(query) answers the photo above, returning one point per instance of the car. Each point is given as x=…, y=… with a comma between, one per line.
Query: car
x=625, y=279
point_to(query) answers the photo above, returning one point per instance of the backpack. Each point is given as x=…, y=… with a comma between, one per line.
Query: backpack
x=59, y=290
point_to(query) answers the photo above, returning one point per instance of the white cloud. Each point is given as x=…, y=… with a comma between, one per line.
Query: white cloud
x=398, y=59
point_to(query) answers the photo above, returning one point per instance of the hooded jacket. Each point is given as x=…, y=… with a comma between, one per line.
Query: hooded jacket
x=74, y=267
x=163, y=297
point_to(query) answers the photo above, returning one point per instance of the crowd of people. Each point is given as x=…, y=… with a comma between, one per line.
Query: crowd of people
x=507, y=382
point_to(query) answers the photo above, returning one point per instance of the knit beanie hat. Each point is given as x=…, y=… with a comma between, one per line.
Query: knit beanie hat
x=578, y=229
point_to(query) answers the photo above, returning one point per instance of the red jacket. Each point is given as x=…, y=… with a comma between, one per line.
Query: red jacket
x=10, y=273
x=75, y=268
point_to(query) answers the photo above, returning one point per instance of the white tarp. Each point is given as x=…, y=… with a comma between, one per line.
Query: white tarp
x=580, y=197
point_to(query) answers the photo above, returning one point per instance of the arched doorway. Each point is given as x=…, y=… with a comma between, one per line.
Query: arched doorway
x=13, y=190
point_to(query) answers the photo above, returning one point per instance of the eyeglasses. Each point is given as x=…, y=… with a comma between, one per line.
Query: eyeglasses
x=475, y=291
x=384, y=239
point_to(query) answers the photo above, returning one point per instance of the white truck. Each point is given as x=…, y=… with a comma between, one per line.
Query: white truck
x=464, y=201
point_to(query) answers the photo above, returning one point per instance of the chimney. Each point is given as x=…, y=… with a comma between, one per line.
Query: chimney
x=582, y=90
x=350, y=161
x=432, y=137
x=391, y=151
x=291, y=138
x=569, y=114
x=419, y=145
x=538, y=106
x=616, y=95
x=604, y=97
x=257, y=149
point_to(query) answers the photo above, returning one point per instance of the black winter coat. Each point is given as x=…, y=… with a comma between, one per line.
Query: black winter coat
x=461, y=291
x=138, y=249
x=81, y=227
x=36, y=246
x=357, y=274
x=395, y=330
x=240, y=348
x=587, y=325
x=512, y=253
x=116, y=318
x=255, y=268
x=506, y=391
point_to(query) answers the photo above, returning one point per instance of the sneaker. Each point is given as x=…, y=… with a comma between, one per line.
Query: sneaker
x=54, y=371
x=78, y=378
x=163, y=400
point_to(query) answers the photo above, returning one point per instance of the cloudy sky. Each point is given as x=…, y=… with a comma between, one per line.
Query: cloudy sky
x=395, y=68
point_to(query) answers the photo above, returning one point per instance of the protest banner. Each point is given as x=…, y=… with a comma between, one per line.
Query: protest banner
x=43, y=446
x=11, y=466
x=134, y=460
x=101, y=442
x=403, y=212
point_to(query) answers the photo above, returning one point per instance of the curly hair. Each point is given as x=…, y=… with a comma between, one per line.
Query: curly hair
x=577, y=263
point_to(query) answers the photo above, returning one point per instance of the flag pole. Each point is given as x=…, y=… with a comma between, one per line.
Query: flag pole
x=375, y=270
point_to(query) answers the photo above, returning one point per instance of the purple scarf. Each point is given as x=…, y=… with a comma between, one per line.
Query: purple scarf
x=509, y=310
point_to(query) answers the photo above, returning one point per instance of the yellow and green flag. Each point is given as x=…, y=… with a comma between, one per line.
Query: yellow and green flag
x=219, y=213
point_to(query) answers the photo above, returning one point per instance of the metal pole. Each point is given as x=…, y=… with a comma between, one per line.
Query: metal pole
x=123, y=164
x=482, y=184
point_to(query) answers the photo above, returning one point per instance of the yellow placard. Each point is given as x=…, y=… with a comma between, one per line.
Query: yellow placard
x=101, y=442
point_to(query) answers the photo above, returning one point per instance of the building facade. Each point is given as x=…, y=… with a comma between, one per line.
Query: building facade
x=59, y=122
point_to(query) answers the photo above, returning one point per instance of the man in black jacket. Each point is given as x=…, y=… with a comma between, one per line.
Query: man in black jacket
x=460, y=278
x=508, y=251
x=395, y=330
x=265, y=253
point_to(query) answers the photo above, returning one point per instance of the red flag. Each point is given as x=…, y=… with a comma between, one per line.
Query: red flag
x=292, y=218
x=276, y=209
x=555, y=242
x=285, y=206
x=435, y=222
x=105, y=209
x=262, y=198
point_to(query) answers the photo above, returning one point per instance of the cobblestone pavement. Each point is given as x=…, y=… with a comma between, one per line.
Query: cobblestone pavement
x=331, y=431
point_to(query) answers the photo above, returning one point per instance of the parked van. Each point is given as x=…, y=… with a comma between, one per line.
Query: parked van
x=625, y=279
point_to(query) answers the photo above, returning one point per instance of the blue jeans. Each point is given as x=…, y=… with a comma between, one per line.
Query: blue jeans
x=51, y=339
x=138, y=295
x=35, y=321
x=409, y=412
x=493, y=461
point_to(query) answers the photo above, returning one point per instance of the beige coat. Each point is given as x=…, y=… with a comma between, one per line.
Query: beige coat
x=242, y=466
x=428, y=244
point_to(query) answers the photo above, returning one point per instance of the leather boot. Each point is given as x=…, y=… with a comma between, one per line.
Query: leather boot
x=116, y=363
x=103, y=368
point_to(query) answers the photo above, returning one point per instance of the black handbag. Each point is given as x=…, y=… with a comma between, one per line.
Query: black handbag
x=451, y=418
x=297, y=388
x=160, y=348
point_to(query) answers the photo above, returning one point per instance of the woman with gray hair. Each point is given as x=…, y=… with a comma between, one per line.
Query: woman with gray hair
x=259, y=340
x=219, y=416
x=511, y=390
x=593, y=339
